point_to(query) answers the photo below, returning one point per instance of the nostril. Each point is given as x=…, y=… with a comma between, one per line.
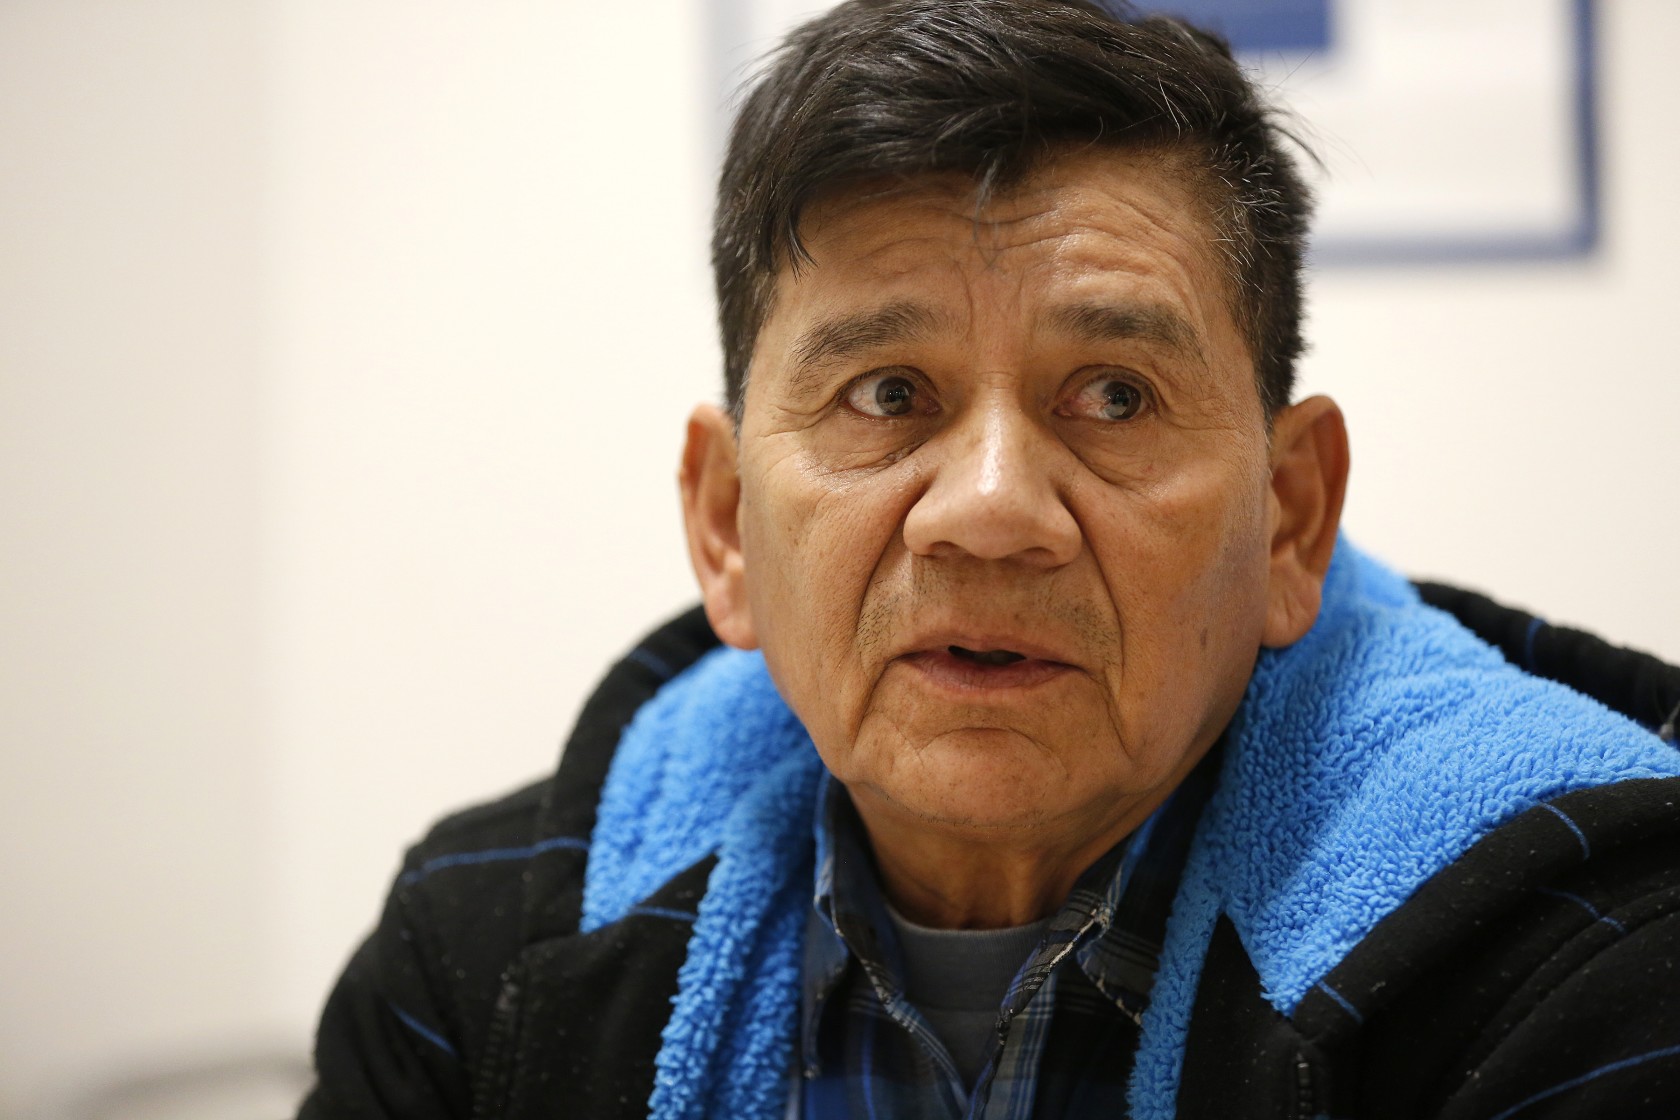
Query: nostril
x=1007, y=505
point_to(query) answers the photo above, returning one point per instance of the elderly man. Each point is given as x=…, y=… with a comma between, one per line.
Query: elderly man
x=1057, y=760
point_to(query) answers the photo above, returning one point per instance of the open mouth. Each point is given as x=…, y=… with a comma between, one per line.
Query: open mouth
x=987, y=656
x=991, y=671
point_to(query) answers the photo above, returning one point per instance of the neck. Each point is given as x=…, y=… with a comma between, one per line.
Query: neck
x=960, y=875
x=963, y=878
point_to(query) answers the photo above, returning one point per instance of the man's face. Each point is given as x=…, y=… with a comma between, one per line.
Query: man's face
x=1004, y=511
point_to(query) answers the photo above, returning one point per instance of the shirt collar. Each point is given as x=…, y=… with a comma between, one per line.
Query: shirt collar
x=1112, y=924
x=849, y=919
x=1119, y=952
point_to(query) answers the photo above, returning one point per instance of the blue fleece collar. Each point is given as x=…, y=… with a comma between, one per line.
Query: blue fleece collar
x=1364, y=758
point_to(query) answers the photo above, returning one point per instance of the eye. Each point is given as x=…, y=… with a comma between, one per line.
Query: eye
x=1107, y=397
x=884, y=394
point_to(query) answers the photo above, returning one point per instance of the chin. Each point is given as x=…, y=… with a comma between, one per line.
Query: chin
x=983, y=780
x=973, y=818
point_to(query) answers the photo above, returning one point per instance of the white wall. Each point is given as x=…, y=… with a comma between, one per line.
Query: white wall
x=490, y=319
x=344, y=351
x=344, y=354
x=1514, y=427
x=133, y=736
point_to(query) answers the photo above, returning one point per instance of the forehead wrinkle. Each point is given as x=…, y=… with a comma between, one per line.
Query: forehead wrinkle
x=1123, y=322
x=843, y=336
x=1103, y=211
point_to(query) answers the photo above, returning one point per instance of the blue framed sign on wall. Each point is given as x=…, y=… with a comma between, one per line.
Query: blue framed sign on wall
x=1448, y=131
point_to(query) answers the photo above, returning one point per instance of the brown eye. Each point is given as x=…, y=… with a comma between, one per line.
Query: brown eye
x=883, y=395
x=1121, y=400
x=893, y=395
x=1107, y=398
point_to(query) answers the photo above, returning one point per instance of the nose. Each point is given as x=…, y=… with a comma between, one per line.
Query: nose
x=993, y=493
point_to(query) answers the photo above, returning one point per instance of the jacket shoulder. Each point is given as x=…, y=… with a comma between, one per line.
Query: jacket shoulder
x=409, y=1023
x=1640, y=686
x=406, y=1022
x=1536, y=967
x=488, y=880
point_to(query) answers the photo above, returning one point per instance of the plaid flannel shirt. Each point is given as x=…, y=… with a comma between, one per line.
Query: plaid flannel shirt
x=1068, y=1026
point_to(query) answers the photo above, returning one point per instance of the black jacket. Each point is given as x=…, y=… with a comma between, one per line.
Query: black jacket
x=1523, y=981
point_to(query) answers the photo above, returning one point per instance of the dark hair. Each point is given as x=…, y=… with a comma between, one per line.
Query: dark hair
x=992, y=88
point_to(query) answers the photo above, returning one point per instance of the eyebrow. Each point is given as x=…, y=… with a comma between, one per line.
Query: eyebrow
x=1101, y=322
x=847, y=336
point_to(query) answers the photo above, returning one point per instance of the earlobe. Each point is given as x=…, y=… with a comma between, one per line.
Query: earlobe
x=1309, y=482
x=710, y=480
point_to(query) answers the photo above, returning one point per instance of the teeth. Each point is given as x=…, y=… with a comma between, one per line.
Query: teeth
x=990, y=656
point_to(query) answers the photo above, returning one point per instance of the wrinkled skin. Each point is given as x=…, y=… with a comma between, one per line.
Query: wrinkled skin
x=1035, y=438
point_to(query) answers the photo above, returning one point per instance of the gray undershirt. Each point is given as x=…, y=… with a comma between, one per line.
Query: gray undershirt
x=957, y=979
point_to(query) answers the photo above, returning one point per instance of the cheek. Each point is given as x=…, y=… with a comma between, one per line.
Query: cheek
x=1222, y=552
x=816, y=544
x=1185, y=562
x=812, y=540
x=1164, y=539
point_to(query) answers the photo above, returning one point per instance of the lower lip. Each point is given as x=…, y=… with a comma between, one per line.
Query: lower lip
x=946, y=668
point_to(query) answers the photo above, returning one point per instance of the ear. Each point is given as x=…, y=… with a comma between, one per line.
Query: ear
x=1309, y=481
x=711, y=496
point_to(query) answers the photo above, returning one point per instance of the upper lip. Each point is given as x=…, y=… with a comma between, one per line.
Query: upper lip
x=983, y=640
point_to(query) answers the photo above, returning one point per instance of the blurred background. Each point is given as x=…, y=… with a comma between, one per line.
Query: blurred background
x=345, y=349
